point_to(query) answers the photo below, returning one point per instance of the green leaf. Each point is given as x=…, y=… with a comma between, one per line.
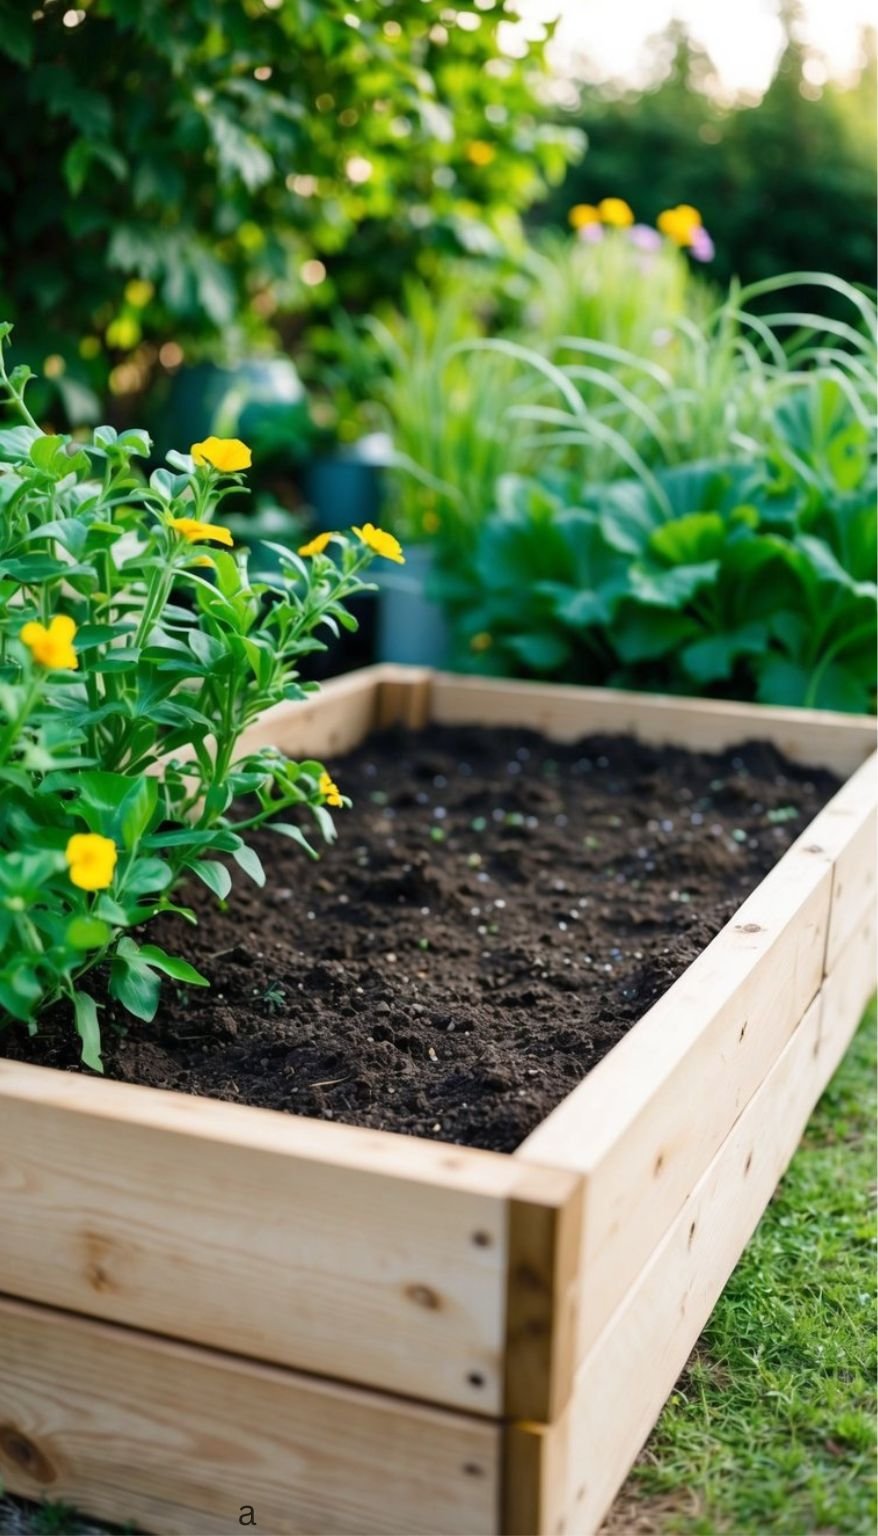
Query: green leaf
x=541, y=653
x=137, y=809
x=88, y=933
x=689, y=540
x=135, y=987
x=16, y=443
x=17, y=33
x=290, y=830
x=146, y=876
x=171, y=965
x=248, y=860
x=713, y=658
x=645, y=633
x=89, y=1030
x=673, y=588
x=214, y=875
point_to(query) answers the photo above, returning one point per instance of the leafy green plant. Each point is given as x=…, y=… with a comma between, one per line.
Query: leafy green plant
x=728, y=585
x=448, y=410
x=188, y=177
x=131, y=663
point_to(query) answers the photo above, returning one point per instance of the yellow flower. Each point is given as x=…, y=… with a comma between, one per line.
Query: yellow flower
x=680, y=223
x=196, y=532
x=583, y=214
x=227, y=454
x=52, y=647
x=316, y=545
x=615, y=211
x=329, y=790
x=479, y=152
x=91, y=860
x=382, y=543
x=481, y=642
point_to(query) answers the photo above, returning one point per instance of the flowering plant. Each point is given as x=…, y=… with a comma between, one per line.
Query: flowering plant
x=682, y=226
x=134, y=652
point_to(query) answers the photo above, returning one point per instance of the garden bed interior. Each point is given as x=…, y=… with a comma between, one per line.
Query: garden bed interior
x=210, y=1305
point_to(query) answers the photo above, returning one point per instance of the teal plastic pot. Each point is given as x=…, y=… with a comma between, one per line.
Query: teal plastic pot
x=347, y=487
x=411, y=628
x=261, y=400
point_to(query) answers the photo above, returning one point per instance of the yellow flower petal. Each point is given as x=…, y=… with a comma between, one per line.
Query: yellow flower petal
x=583, y=214
x=329, y=790
x=615, y=211
x=227, y=454
x=91, y=860
x=679, y=224
x=196, y=532
x=382, y=543
x=316, y=545
x=52, y=647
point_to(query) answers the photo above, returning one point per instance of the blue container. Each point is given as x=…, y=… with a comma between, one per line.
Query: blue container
x=411, y=628
x=347, y=487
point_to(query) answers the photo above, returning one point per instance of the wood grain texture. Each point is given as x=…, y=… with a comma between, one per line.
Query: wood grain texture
x=542, y=1295
x=851, y=982
x=564, y=712
x=852, y=840
x=580, y=1461
x=404, y=696
x=132, y=1428
x=369, y=1257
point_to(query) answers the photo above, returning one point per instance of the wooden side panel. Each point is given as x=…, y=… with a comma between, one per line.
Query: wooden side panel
x=850, y=984
x=709, y=1042
x=563, y=712
x=576, y=1466
x=853, y=877
x=129, y=1427
x=543, y=1293
x=404, y=696
x=372, y=1258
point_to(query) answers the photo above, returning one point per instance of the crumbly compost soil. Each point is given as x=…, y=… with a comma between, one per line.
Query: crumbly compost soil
x=497, y=912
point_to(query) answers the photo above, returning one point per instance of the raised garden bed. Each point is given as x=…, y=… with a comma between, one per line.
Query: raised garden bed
x=211, y=1306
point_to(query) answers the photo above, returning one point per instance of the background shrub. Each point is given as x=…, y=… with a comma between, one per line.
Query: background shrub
x=203, y=173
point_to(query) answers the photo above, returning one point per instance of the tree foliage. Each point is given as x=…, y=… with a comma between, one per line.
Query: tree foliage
x=202, y=171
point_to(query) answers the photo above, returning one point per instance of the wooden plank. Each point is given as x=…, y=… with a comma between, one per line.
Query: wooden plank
x=854, y=846
x=706, y=1045
x=404, y=696
x=542, y=1295
x=564, y=713
x=127, y=1426
x=365, y=1256
x=326, y=725
x=571, y=1471
x=850, y=984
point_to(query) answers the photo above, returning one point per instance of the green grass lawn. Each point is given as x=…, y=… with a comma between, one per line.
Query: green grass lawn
x=772, y=1427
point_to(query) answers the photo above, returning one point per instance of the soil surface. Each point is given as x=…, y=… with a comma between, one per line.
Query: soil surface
x=497, y=912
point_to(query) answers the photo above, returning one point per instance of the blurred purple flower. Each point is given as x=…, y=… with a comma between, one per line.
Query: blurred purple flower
x=592, y=234
x=645, y=237
x=701, y=245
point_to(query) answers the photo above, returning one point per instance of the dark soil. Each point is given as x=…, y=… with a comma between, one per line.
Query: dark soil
x=496, y=914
